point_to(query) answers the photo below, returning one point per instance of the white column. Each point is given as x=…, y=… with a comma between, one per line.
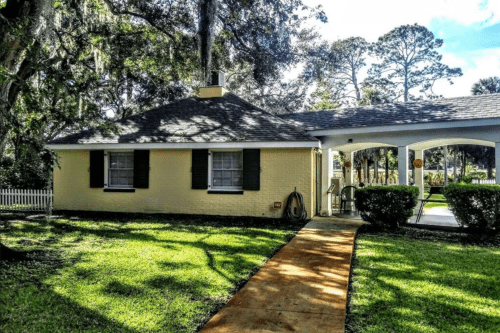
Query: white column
x=419, y=174
x=326, y=179
x=445, y=157
x=366, y=170
x=497, y=162
x=349, y=176
x=403, y=165
x=454, y=164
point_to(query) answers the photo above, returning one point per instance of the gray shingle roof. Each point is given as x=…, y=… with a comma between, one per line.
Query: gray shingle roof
x=222, y=119
x=450, y=109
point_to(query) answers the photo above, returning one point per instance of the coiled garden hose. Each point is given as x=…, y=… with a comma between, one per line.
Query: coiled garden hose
x=298, y=214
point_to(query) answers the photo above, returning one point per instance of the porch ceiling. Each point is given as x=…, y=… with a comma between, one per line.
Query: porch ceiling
x=352, y=147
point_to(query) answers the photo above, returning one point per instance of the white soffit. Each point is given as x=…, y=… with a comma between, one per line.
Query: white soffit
x=187, y=145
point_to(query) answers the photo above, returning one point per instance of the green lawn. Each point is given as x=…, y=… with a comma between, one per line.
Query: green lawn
x=405, y=285
x=435, y=204
x=111, y=276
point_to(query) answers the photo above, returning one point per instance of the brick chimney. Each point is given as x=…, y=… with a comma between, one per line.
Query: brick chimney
x=216, y=87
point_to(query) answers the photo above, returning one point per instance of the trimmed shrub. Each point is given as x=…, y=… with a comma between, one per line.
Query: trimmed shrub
x=476, y=207
x=386, y=206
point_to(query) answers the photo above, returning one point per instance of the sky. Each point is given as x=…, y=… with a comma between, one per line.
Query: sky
x=470, y=30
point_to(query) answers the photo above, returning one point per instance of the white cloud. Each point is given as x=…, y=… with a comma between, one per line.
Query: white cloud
x=481, y=64
x=371, y=19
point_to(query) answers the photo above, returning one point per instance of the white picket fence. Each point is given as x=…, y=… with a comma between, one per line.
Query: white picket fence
x=25, y=200
x=484, y=181
x=376, y=182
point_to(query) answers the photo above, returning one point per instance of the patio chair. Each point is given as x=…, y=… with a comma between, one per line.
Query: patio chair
x=346, y=195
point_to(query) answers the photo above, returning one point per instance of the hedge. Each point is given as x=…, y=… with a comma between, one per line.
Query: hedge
x=386, y=206
x=476, y=207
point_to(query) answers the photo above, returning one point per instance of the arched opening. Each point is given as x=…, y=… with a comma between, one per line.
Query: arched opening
x=452, y=159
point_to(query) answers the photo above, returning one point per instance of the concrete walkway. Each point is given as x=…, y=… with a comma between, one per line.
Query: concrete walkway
x=303, y=288
x=437, y=216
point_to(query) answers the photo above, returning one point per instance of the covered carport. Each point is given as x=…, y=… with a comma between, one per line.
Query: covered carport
x=414, y=125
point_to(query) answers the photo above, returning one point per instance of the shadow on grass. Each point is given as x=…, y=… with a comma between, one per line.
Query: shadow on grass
x=232, y=260
x=120, y=289
x=46, y=311
x=424, y=313
x=447, y=288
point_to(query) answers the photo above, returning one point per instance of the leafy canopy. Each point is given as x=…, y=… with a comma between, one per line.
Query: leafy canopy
x=490, y=85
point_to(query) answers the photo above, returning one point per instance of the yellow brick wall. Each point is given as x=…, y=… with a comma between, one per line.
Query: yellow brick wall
x=170, y=186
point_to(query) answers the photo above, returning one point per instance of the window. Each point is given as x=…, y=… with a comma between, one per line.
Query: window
x=227, y=170
x=121, y=170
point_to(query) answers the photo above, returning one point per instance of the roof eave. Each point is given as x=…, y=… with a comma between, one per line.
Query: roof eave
x=189, y=145
x=406, y=127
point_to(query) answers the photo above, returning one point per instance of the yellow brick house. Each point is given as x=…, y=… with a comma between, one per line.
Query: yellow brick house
x=215, y=154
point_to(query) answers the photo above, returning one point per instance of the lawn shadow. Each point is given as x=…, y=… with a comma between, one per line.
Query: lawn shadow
x=438, y=310
x=223, y=259
x=47, y=310
x=117, y=288
x=195, y=285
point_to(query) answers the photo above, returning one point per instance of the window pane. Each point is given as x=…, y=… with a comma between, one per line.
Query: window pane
x=226, y=178
x=217, y=156
x=227, y=161
x=113, y=161
x=217, y=178
x=112, y=177
x=121, y=171
x=121, y=160
x=227, y=169
x=237, y=161
x=217, y=164
x=237, y=179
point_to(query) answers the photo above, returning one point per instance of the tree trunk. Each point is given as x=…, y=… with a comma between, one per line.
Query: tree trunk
x=406, y=84
x=208, y=13
x=355, y=83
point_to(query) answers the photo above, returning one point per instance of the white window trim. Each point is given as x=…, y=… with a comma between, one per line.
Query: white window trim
x=210, y=169
x=106, y=168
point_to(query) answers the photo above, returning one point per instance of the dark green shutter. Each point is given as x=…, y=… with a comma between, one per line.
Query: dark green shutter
x=199, y=169
x=141, y=168
x=251, y=169
x=96, y=168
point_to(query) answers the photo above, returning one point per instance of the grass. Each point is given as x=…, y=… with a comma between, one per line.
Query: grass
x=435, y=204
x=110, y=276
x=401, y=284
